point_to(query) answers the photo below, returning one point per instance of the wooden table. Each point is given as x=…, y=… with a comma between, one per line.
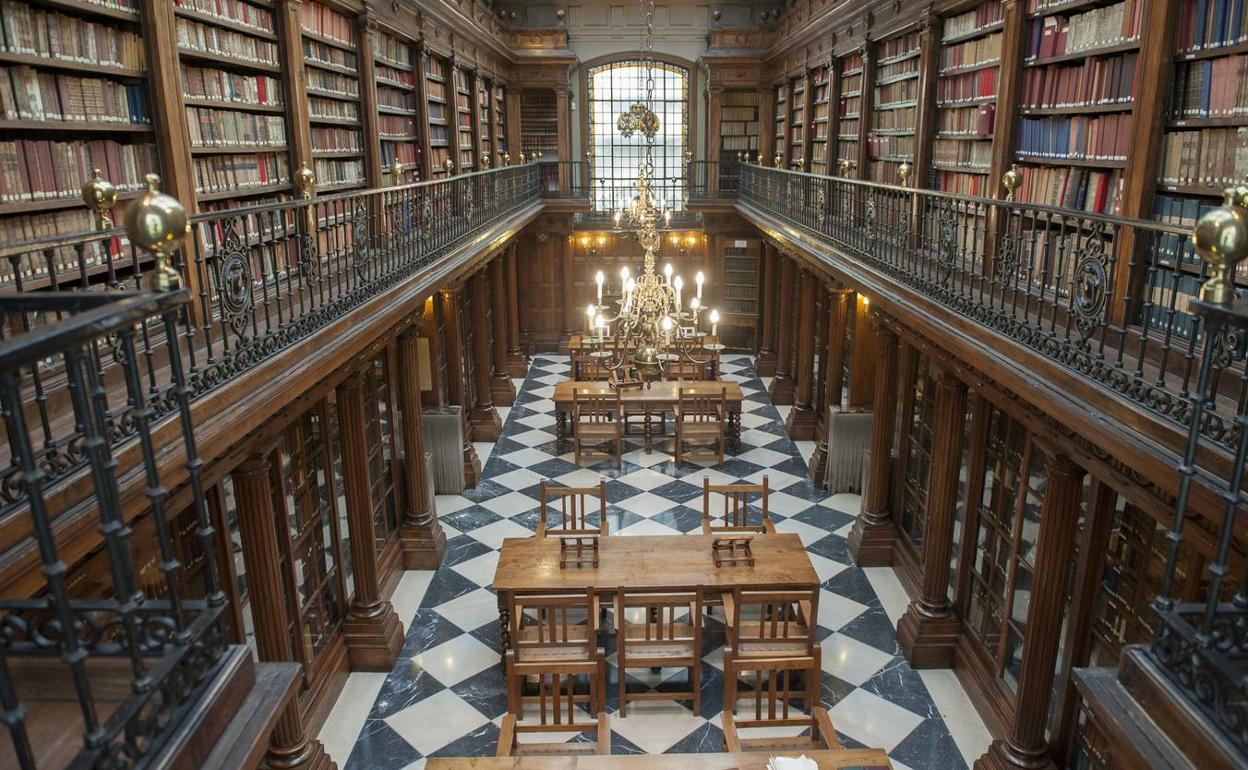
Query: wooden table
x=578, y=352
x=863, y=759
x=647, y=562
x=657, y=398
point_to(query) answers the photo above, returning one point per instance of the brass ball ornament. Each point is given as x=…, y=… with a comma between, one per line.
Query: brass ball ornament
x=1221, y=240
x=100, y=196
x=903, y=173
x=158, y=223
x=1012, y=180
x=305, y=181
x=448, y=165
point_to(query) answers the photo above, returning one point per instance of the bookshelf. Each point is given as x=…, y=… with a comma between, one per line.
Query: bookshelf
x=780, y=122
x=817, y=134
x=849, y=110
x=332, y=82
x=398, y=125
x=738, y=128
x=737, y=260
x=500, y=123
x=797, y=123
x=465, y=134
x=539, y=122
x=966, y=96
x=895, y=111
x=485, y=120
x=436, y=91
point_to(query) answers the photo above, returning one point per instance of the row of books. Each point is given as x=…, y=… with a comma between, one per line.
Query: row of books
x=332, y=83
x=739, y=99
x=404, y=77
x=406, y=152
x=739, y=143
x=738, y=113
x=220, y=85
x=897, y=69
x=395, y=98
x=1108, y=80
x=1211, y=88
x=396, y=126
x=390, y=49
x=735, y=127
x=884, y=172
x=952, y=152
x=332, y=109
x=1182, y=212
x=1205, y=24
x=1213, y=157
x=66, y=261
x=967, y=121
x=332, y=171
x=37, y=32
x=966, y=87
x=230, y=128
x=1098, y=28
x=326, y=139
x=193, y=36
x=439, y=135
x=235, y=12
x=35, y=169
x=435, y=90
x=850, y=105
x=819, y=131
x=898, y=46
x=896, y=120
x=321, y=53
x=1086, y=189
x=890, y=146
x=962, y=184
x=893, y=93
x=223, y=173
x=1103, y=137
x=29, y=94
x=437, y=112
x=981, y=17
x=972, y=53
x=320, y=19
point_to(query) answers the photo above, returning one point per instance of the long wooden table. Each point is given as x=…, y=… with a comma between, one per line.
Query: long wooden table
x=530, y=565
x=846, y=759
x=578, y=352
x=657, y=398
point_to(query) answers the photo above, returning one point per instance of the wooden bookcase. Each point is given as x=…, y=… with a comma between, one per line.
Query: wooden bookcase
x=849, y=110
x=737, y=261
x=797, y=144
x=966, y=97
x=437, y=90
x=539, y=121
x=739, y=124
x=892, y=135
x=820, y=105
x=398, y=113
x=780, y=122
x=485, y=120
x=500, y=123
x=331, y=67
x=465, y=118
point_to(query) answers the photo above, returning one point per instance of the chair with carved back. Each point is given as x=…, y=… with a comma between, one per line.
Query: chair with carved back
x=766, y=624
x=769, y=705
x=701, y=423
x=575, y=506
x=555, y=633
x=734, y=518
x=597, y=421
x=659, y=629
x=554, y=709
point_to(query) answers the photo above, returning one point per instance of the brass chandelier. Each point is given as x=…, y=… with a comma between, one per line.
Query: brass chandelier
x=655, y=325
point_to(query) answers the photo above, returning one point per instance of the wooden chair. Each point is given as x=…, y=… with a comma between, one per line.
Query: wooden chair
x=767, y=625
x=660, y=636
x=597, y=421
x=772, y=708
x=557, y=712
x=735, y=519
x=578, y=534
x=555, y=633
x=701, y=421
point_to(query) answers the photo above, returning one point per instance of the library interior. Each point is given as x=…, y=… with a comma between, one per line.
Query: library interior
x=347, y=346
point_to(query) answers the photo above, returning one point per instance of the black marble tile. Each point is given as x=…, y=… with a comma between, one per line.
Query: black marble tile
x=461, y=548
x=406, y=685
x=470, y=518
x=380, y=746
x=486, y=691
x=481, y=742
x=833, y=689
x=707, y=739
x=929, y=746
x=833, y=547
x=874, y=628
x=852, y=583
x=901, y=685
x=446, y=585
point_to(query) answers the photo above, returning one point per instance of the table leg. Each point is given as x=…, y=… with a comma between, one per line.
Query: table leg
x=734, y=430
x=561, y=427
x=504, y=621
x=648, y=429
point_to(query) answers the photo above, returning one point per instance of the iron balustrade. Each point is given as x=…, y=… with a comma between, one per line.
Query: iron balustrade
x=136, y=664
x=261, y=277
x=710, y=179
x=1102, y=296
x=564, y=179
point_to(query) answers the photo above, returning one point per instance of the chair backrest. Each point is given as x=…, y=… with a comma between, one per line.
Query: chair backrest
x=563, y=622
x=777, y=682
x=595, y=406
x=702, y=404
x=575, y=506
x=763, y=618
x=664, y=618
x=734, y=517
x=554, y=708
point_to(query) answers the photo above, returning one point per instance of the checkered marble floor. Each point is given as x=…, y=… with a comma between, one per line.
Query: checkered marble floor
x=445, y=695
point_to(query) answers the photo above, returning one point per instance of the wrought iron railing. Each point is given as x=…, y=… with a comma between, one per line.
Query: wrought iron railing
x=564, y=179
x=132, y=665
x=261, y=278
x=1106, y=297
x=709, y=179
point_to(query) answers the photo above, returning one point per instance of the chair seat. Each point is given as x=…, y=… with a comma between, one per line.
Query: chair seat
x=771, y=648
x=598, y=429
x=638, y=647
x=708, y=429
x=570, y=648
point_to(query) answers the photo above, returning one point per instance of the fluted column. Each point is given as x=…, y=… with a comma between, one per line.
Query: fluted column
x=873, y=533
x=1025, y=746
x=769, y=289
x=517, y=362
x=862, y=363
x=570, y=320
x=502, y=391
x=801, y=420
x=928, y=632
x=781, y=391
x=372, y=630
x=486, y=425
x=833, y=378
x=420, y=535
x=456, y=377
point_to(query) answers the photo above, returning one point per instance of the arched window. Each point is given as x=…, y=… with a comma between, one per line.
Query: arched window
x=613, y=88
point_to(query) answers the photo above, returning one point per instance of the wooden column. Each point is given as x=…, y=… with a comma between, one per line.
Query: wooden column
x=373, y=633
x=834, y=375
x=865, y=111
x=563, y=134
x=769, y=287
x=925, y=127
x=714, y=94
x=456, y=385
x=502, y=391
x=289, y=744
x=873, y=533
x=862, y=363
x=801, y=421
x=1025, y=746
x=767, y=124
x=298, y=127
x=782, y=384
x=486, y=425
x=517, y=361
x=928, y=632
x=422, y=109
x=570, y=320
x=513, y=124
x=365, y=25
x=420, y=535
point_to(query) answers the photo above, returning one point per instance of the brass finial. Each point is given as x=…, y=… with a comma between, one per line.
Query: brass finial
x=801, y=164
x=779, y=160
x=1221, y=240
x=903, y=173
x=1012, y=180
x=844, y=165
x=396, y=173
x=506, y=159
x=158, y=223
x=688, y=156
x=743, y=157
x=449, y=165
x=305, y=181
x=485, y=161
x=100, y=195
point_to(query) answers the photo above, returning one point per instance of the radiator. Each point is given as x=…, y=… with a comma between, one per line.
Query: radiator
x=430, y=492
x=444, y=442
x=849, y=433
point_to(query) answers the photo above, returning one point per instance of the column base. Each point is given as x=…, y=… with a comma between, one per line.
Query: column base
x=472, y=466
x=517, y=364
x=374, y=638
x=424, y=545
x=1001, y=756
x=927, y=639
x=565, y=338
x=485, y=423
x=818, y=465
x=765, y=363
x=871, y=545
x=502, y=391
x=801, y=423
x=781, y=391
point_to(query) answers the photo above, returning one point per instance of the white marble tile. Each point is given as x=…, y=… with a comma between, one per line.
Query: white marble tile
x=805, y=449
x=845, y=502
x=826, y=568
x=346, y=719
x=582, y=477
x=968, y=730
x=509, y=504
x=494, y=534
x=763, y=457
x=436, y=721
x=656, y=456
x=850, y=660
x=470, y=611
x=873, y=721
x=808, y=533
x=888, y=587
x=539, y=420
x=479, y=569
x=484, y=450
x=409, y=593
x=503, y=413
x=836, y=610
x=648, y=527
x=451, y=503
x=787, y=505
x=521, y=478
x=454, y=661
x=656, y=726
x=646, y=504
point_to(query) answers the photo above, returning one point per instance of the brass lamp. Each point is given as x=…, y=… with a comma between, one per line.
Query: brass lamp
x=158, y=223
x=1012, y=180
x=903, y=173
x=1221, y=240
x=100, y=195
